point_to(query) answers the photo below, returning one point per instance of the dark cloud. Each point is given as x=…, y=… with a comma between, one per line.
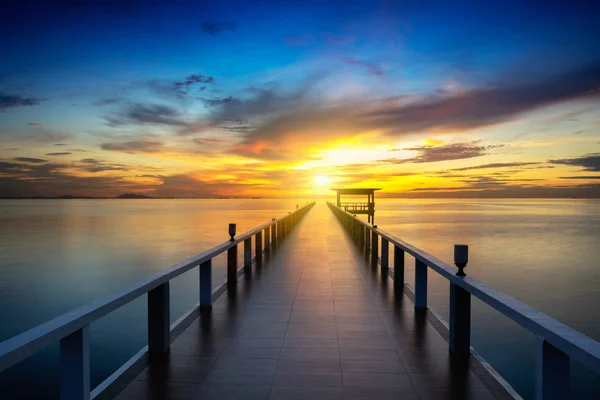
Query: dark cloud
x=476, y=108
x=95, y=165
x=296, y=116
x=151, y=114
x=135, y=146
x=62, y=153
x=31, y=160
x=12, y=149
x=8, y=166
x=210, y=141
x=60, y=144
x=34, y=124
x=589, y=162
x=507, y=191
x=300, y=40
x=106, y=102
x=456, y=151
x=215, y=28
x=496, y=165
x=217, y=102
x=50, y=180
x=195, y=78
x=581, y=177
x=16, y=100
x=370, y=68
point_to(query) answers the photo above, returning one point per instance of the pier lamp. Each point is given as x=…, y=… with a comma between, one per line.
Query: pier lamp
x=461, y=258
x=231, y=231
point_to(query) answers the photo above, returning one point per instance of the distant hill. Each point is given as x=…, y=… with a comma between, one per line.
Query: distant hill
x=132, y=196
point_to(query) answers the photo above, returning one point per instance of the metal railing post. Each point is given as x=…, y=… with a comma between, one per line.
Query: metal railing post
x=267, y=238
x=552, y=372
x=280, y=229
x=75, y=365
x=232, y=255
x=374, y=244
x=420, y=284
x=385, y=253
x=460, y=307
x=258, y=245
x=206, y=285
x=273, y=234
x=248, y=253
x=398, y=268
x=159, y=321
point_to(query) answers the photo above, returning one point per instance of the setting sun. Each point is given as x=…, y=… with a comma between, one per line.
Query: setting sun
x=322, y=180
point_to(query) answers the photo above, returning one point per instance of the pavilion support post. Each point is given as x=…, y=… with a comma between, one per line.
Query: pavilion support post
x=75, y=365
x=159, y=320
x=398, y=268
x=420, y=284
x=552, y=372
x=206, y=285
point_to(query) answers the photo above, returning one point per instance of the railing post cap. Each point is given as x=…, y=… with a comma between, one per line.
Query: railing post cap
x=461, y=253
x=232, y=229
x=461, y=258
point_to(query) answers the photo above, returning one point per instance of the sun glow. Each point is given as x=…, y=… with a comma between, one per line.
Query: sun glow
x=322, y=180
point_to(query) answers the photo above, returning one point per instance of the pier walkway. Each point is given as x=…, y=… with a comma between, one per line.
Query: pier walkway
x=312, y=320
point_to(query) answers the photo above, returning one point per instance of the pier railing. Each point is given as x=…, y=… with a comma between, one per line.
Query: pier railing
x=350, y=207
x=72, y=329
x=557, y=343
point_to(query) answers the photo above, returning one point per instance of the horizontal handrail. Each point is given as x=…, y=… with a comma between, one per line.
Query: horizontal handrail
x=570, y=341
x=23, y=345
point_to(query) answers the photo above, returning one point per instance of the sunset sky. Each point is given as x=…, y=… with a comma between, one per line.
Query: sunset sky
x=243, y=98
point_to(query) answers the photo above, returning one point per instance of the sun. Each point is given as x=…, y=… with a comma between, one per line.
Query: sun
x=322, y=180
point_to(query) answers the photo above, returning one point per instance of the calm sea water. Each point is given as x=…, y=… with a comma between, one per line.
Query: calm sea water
x=57, y=255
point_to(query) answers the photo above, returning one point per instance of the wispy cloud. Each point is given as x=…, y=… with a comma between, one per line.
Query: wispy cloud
x=496, y=165
x=455, y=151
x=370, y=68
x=16, y=100
x=589, y=162
x=61, y=153
x=214, y=28
x=135, y=146
x=152, y=114
x=31, y=160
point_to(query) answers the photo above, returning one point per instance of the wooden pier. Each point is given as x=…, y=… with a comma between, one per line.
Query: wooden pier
x=318, y=310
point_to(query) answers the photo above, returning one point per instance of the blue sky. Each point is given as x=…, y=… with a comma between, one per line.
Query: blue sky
x=243, y=81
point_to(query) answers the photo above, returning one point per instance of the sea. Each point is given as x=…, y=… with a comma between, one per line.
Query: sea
x=56, y=255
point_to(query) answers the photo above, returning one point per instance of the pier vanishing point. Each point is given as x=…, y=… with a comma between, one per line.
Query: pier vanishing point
x=317, y=309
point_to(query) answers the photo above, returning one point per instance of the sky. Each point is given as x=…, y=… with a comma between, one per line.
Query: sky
x=290, y=99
